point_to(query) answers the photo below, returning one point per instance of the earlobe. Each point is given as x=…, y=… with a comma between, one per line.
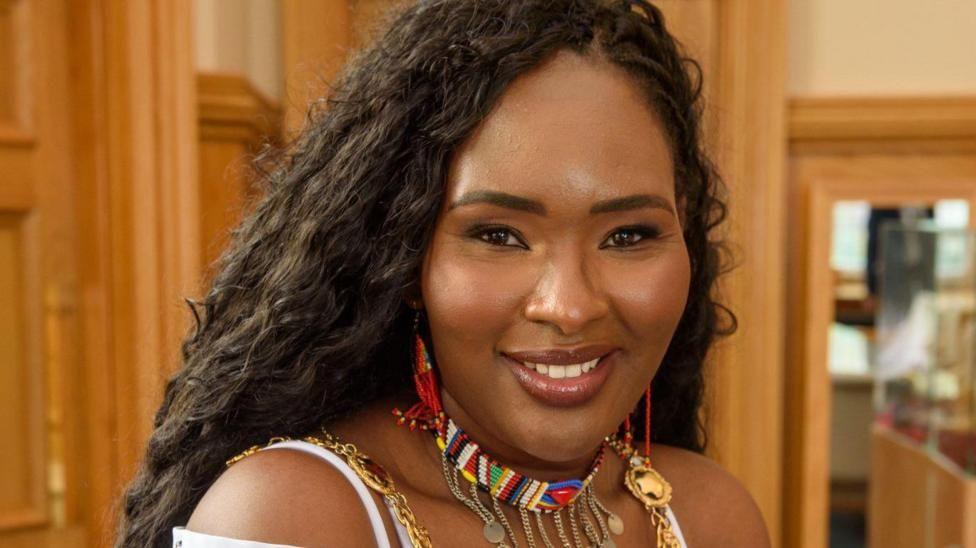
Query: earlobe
x=411, y=296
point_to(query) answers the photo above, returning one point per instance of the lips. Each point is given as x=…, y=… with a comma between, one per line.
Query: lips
x=562, y=378
x=562, y=357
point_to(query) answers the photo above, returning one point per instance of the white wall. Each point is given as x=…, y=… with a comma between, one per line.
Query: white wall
x=242, y=37
x=882, y=47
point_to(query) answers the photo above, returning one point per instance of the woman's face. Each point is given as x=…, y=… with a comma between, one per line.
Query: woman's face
x=558, y=244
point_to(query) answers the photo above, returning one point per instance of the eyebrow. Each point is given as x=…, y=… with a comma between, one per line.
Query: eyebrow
x=519, y=203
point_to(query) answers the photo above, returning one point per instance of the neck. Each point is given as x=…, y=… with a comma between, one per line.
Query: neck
x=514, y=457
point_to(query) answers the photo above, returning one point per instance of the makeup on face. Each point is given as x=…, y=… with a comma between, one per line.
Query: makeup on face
x=557, y=272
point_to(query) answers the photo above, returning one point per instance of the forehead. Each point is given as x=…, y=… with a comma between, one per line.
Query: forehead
x=573, y=127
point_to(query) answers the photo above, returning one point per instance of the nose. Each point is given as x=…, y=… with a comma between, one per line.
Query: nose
x=566, y=296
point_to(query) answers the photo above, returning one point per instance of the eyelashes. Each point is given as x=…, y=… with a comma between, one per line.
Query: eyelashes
x=495, y=235
x=630, y=236
x=621, y=238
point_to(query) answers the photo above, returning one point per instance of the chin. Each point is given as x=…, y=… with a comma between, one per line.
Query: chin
x=560, y=441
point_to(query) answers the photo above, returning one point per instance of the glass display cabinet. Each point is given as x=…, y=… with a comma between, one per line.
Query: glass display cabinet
x=925, y=357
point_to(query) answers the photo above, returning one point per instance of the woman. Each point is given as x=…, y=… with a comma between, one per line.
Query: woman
x=499, y=228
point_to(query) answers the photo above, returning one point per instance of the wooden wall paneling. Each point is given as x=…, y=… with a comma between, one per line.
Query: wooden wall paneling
x=44, y=489
x=14, y=78
x=134, y=138
x=23, y=501
x=317, y=37
x=22, y=426
x=65, y=427
x=746, y=373
x=881, y=150
x=235, y=120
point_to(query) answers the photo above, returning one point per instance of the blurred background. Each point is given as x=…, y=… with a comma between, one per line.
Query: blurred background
x=845, y=129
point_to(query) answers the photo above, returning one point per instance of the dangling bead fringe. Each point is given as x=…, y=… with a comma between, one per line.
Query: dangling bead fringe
x=498, y=530
x=428, y=413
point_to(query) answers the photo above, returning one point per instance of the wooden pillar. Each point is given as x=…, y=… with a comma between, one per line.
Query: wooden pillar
x=138, y=244
x=745, y=405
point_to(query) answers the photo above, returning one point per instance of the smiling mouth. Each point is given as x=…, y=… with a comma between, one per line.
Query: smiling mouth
x=563, y=371
x=566, y=384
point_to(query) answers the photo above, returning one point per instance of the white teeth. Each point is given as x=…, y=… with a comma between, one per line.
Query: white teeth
x=563, y=371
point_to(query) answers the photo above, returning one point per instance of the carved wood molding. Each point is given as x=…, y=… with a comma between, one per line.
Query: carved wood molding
x=230, y=108
x=927, y=121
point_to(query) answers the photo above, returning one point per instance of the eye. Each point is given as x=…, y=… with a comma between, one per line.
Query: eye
x=630, y=236
x=497, y=236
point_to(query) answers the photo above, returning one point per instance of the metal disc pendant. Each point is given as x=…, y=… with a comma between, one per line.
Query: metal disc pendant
x=616, y=524
x=494, y=532
x=609, y=543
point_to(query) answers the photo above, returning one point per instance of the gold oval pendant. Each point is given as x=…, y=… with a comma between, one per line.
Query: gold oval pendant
x=648, y=486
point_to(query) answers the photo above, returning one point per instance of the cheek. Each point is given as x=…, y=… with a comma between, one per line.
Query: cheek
x=467, y=297
x=650, y=300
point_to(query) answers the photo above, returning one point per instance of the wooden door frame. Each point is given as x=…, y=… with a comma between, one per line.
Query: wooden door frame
x=845, y=128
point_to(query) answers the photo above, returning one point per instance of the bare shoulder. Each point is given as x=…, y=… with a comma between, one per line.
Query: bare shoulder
x=282, y=496
x=712, y=507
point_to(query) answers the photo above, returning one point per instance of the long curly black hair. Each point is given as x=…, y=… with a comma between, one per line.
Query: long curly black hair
x=305, y=320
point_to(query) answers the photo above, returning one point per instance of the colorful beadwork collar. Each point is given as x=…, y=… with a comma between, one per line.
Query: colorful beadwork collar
x=506, y=484
x=500, y=481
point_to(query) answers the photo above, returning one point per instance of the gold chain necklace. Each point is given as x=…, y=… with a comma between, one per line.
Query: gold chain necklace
x=641, y=480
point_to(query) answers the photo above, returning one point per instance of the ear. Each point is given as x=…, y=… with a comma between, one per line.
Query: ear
x=412, y=297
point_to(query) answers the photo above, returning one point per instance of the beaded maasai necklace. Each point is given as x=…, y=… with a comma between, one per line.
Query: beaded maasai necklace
x=506, y=484
x=571, y=501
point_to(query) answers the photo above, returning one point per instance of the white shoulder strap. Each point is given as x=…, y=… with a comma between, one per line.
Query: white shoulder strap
x=675, y=528
x=375, y=519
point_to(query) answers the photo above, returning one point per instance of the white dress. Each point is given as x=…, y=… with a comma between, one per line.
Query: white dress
x=183, y=538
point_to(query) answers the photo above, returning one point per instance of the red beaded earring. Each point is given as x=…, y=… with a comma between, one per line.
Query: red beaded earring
x=428, y=413
x=647, y=423
x=628, y=434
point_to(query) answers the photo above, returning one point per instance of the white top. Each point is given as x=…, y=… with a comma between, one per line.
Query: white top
x=183, y=538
